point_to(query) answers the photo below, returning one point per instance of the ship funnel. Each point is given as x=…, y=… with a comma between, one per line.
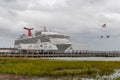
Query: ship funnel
x=29, y=31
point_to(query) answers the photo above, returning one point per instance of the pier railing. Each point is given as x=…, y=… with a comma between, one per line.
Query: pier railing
x=75, y=54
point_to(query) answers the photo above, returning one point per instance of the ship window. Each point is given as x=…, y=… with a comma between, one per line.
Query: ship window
x=45, y=46
x=50, y=47
x=41, y=45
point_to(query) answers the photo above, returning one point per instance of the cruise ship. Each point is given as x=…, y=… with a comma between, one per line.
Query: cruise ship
x=43, y=40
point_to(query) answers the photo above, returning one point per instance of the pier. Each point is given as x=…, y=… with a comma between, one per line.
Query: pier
x=74, y=54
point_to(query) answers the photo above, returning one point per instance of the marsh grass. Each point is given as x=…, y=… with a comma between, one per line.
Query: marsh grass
x=56, y=68
x=118, y=78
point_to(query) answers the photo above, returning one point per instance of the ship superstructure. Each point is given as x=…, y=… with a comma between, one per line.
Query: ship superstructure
x=43, y=40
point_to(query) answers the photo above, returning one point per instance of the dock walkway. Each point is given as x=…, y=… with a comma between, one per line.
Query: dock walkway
x=80, y=54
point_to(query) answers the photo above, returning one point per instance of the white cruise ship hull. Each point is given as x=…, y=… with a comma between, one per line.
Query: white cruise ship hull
x=43, y=41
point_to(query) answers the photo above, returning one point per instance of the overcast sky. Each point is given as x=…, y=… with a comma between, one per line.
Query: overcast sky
x=81, y=19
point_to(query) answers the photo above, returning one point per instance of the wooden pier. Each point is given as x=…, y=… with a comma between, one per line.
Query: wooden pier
x=80, y=54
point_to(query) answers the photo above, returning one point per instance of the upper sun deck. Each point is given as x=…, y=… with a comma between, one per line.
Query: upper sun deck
x=51, y=34
x=44, y=32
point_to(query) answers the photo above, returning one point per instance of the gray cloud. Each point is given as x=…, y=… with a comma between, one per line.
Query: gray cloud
x=19, y=5
x=81, y=19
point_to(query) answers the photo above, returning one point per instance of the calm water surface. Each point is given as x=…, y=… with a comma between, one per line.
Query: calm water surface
x=86, y=58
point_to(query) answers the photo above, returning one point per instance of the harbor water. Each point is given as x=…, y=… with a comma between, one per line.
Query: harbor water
x=85, y=58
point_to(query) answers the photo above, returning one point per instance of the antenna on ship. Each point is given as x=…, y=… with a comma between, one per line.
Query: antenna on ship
x=44, y=29
x=29, y=31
